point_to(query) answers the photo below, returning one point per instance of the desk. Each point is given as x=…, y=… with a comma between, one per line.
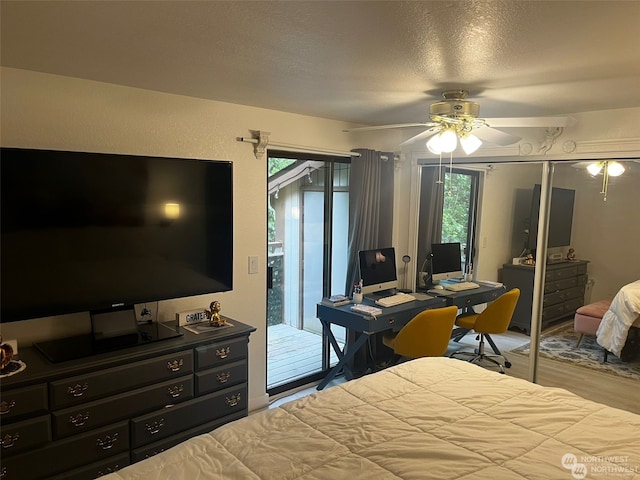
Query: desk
x=392, y=318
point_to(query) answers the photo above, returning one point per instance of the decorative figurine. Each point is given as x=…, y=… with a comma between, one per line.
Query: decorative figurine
x=528, y=260
x=6, y=354
x=571, y=254
x=213, y=314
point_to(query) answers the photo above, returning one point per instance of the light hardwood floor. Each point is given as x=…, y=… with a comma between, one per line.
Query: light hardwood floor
x=604, y=388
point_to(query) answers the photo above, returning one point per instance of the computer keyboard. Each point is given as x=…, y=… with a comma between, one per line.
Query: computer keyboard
x=396, y=299
x=458, y=287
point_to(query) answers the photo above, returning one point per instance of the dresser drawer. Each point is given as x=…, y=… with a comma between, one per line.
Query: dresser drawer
x=560, y=273
x=81, y=388
x=96, y=470
x=551, y=313
x=553, y=299
x=221, y=377
x=63, y=455
x=155, y=448
x=575, y=292
x=94, y=414
x=218, y=353
x=169, y=421
x=20, y=436
x=557, y=285
x=20, y=402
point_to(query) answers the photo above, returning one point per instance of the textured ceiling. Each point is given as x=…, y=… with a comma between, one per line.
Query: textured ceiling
x=371, y=62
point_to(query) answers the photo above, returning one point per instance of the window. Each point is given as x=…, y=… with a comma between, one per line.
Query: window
x=448, y=208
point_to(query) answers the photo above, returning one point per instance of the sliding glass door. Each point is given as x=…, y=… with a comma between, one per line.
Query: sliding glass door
x=307, y=259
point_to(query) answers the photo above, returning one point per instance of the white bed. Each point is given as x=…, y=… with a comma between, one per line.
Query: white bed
x=623, y=312
x=432, y=418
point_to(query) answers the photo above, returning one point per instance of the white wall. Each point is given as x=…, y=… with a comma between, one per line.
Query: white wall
x=606, y=233
x=500, y=237
x=61, y=113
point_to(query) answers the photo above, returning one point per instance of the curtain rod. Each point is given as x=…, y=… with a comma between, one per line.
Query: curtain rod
x=301, y=148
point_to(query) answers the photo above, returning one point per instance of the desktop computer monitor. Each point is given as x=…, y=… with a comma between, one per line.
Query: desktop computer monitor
x=378, y=270
x=446, y=261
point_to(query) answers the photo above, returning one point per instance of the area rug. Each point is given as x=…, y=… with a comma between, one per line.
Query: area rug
x=560, y=344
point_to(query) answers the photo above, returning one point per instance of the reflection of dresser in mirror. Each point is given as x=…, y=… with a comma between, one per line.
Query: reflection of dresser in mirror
x=564, y=288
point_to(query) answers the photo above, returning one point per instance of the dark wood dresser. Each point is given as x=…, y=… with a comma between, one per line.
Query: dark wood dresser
x=564, y=288
x=85, y=418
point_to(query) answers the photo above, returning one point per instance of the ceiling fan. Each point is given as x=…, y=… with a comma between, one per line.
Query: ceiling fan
x=456, y=119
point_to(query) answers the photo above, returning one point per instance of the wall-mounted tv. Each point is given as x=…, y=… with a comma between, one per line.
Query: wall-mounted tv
x=96, y=232
x=560, y=217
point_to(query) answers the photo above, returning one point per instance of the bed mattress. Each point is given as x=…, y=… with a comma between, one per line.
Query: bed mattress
x=431, y=418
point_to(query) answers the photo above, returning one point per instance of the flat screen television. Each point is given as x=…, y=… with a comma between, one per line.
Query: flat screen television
x=560, y=217
x=102, y=232
x=446, y=261
x=378, y=270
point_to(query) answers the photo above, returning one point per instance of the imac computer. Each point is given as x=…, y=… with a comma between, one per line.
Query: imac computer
x=446, y=261
x=378, y=270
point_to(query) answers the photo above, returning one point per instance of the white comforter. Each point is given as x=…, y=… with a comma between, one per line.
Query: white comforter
x=623, y=312
x=432, y=418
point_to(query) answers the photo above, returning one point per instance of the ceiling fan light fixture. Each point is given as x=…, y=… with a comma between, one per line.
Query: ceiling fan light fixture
x=448, y=140
x=615, y=169
x=433, y=144
x=470, y=143
x=595, y=168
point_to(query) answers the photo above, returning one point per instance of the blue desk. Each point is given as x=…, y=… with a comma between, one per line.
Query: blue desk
x=392, y=318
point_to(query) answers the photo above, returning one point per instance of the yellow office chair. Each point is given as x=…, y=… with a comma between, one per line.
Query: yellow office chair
x=494, y=319
x=426, y=335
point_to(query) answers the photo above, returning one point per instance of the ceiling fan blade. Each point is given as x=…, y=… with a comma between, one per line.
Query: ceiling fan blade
x=384, y=127
x=530, y=122
x=491, y=135
x=424, y=134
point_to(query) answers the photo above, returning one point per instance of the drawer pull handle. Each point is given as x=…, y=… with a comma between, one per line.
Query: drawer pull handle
x=5, y=407
x=223, y=352
x=154, y=427
x=175, y=391
x=175, y=365
x=108, y=441
x=9, y=440
x=77, y=390
x=79, y=420
x=233, y=401
x=3, y=472
x=223, y=377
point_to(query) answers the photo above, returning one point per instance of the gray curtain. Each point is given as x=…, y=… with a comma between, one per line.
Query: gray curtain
x=430, y=221
x=370, y=207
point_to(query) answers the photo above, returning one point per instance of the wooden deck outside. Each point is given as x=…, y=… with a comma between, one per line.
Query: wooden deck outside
x=292, y=354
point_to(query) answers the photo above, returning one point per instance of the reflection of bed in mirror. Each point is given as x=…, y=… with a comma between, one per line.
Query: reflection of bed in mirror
x=426, y=418
x=623, y=313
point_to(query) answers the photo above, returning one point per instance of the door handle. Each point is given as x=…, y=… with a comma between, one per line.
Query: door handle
x=269, y=278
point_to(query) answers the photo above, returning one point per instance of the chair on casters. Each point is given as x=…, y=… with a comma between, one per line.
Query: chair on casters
x=426, y=335
x=494, y=319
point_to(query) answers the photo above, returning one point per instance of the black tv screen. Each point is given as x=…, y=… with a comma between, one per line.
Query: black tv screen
x=93, y=232
x=560, y=217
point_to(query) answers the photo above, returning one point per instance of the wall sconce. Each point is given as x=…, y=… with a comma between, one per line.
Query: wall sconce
x=171, y=211
x=609, y=168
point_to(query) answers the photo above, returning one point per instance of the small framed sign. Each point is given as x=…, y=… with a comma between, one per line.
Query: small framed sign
x=190, y=317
